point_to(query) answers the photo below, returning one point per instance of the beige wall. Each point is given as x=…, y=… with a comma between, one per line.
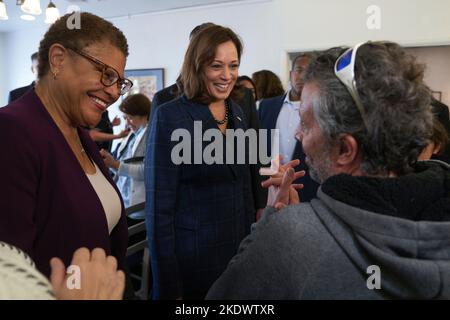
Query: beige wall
x=437, y=74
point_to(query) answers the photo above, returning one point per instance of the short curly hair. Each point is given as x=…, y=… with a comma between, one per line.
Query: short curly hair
x=396, y=102
x=93, y=29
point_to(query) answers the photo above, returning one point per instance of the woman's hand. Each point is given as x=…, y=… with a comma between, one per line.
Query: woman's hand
x=282, y=191
x=95, y=277
x=123, y=133
x=116, y=121
x=110, y=162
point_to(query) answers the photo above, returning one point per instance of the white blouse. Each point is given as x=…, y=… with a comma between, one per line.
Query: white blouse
x=108, y=197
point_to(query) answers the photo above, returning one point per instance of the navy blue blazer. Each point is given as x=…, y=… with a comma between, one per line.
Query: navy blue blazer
x=196, y=214
x=269, y=109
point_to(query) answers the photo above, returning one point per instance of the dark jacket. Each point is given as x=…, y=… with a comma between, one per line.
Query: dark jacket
x=196, y=214
x=269, y=109
x=248, y=106
x=48, y=207
x=19, y=92
x=357, y=230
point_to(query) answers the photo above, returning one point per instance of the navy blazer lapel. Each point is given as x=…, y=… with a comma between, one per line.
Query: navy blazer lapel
x=237, y=115
x=238, y=123
x=200, y=112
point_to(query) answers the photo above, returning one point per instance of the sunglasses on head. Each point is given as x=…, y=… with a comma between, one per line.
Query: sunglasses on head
x=344, y=69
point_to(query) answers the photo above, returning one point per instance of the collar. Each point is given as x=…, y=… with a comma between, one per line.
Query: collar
x=293, y=104
x=420, y=195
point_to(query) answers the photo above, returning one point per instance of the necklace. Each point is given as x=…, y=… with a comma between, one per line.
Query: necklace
x=220, y=122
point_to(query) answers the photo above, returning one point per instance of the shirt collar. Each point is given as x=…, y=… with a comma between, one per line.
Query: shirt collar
x=293, y=104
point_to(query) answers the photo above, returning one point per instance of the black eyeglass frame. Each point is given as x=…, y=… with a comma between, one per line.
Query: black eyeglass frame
x=125, y=84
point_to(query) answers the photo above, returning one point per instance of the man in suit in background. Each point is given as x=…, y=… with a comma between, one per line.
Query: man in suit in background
x=282, y=113
x=17, y=93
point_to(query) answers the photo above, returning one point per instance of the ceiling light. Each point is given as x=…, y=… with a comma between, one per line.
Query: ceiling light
x=32, y=7
x=51, y=13
x=27, y=17
x=3, y=14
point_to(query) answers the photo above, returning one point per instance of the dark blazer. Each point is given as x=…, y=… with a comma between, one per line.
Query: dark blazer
x=248, y=106
x=19, y=92
x=269, y=109
x=48, y=207
x=196, y=214
x=163, y=96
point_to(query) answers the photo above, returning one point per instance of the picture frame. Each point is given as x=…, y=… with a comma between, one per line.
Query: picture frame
x=146, y=81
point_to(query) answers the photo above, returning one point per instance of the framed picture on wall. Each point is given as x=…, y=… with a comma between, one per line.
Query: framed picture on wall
x=146, y=81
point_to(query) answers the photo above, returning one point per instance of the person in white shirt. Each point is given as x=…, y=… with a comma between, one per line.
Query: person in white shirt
x=282, y=113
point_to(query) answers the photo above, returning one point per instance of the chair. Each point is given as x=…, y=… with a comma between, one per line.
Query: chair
x=141, y=245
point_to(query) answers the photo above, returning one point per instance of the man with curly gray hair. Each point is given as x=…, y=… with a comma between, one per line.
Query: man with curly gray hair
x=380, y=225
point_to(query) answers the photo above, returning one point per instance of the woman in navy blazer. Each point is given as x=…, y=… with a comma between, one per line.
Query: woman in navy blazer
x=49, y=204
x=197, y=214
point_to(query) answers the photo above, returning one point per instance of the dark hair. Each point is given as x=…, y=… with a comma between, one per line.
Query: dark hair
x=245, y=78
x=439, y=136
x=302, y=55
x=396, y=102
x=238, y=91
x=267, y=84
x=34, y=56
x=199, y=28
x=200, y=53
x=93, y=29
x=136, y=105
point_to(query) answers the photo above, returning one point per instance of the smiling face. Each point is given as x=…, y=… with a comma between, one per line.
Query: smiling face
x=87, y=98
x=222, y=72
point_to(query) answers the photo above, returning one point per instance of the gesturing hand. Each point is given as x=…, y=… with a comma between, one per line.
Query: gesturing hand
x=99, y=278
x=282, y=191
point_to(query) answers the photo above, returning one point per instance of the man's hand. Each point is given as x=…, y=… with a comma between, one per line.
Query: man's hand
x=282, y=191
x=99, y=277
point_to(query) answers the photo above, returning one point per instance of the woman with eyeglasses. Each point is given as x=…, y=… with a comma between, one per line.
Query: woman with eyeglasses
x=197, y=212
x=56, y=193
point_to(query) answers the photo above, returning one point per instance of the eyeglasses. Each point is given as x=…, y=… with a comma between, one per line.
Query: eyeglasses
x=344, y=69
x=110, y=76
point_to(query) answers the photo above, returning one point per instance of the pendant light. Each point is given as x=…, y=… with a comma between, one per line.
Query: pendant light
x=51, y=13
x=3, y=14
x=32, y=7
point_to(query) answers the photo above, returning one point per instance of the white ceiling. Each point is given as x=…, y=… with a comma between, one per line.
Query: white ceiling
x=103, y=8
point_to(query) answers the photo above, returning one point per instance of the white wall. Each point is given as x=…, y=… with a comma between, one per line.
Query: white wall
x=269, y=29
x=17, y=49
x=3, y=71
x=437, y=72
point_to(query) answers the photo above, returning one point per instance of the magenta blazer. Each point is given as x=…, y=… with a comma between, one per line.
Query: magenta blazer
x=48, y=207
